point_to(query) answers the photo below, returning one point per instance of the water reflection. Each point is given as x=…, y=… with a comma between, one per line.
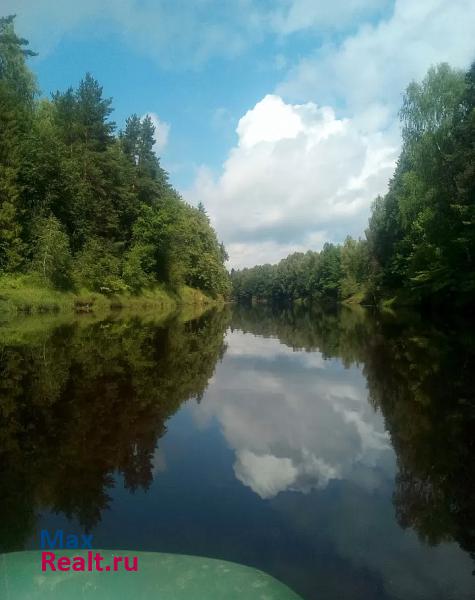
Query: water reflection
x=295, y=421
x=420, y=383
x=333, y=450
x=82, y=401
x=421, y=378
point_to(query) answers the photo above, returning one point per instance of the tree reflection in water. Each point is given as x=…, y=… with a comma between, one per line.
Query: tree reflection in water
x=81, y=401
x=422, y=377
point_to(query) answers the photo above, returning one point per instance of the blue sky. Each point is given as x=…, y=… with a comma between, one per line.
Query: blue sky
x=202, y=104
x=281, y=117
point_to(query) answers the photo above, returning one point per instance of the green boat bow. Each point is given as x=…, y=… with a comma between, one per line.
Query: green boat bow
x=158, y=577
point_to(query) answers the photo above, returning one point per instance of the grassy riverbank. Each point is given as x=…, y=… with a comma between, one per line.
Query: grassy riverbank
x=26, y=295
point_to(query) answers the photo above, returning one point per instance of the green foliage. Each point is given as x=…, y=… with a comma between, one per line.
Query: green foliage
x=420, y=240
x=51, y=254
x=309, y=276
x=355, y=267
x=422, y=233
x=13, y=52
x=17, y=89
x=92, y=203
x=428, y=107
x=97, y=267
x=139, y=266
x=11, y=245
x=179, y=247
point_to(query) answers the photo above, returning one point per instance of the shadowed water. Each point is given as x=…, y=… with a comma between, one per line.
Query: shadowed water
x=333, y=450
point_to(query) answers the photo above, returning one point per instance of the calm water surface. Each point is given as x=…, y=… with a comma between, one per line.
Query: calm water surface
x=332, y=450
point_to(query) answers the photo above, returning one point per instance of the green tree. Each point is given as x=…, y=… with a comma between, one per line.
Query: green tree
x=97, y=267
x=139, y=267
x=11, y=245
x=17, y=91
x=52, y=256
x=354, y=268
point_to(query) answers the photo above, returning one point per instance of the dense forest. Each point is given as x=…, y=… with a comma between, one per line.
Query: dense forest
x=419, y=247
x=83, y=206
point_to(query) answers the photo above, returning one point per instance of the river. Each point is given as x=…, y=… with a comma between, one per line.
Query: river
x=331, y=449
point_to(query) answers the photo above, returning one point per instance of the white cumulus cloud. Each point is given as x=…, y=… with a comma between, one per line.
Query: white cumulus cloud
x=297, y=176
x=266, y=474
x=294, y=425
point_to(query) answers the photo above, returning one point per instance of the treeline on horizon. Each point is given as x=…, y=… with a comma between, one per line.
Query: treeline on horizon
x=419, y=247
x=85, y=207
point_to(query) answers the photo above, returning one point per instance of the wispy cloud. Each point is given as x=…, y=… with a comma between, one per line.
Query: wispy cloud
x=374, y=65
x=173, y=33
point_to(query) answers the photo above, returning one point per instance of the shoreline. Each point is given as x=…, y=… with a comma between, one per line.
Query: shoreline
x=23, y=296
